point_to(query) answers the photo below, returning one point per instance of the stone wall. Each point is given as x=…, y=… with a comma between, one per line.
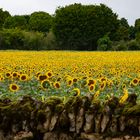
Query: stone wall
x=78, y=118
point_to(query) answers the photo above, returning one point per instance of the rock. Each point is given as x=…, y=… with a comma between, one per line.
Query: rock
x=64, y=136
x=53, y=122
x=50, y=136
x=79, y=120
x=108, y=138
x=132, y=125
x=72, y=122
x=113, y=125
x=48, y=119
x=1, y=136
x=126, y=137
x=122, y=123
x=98, y=123
x=117, y=139
x=89, y=123
x=23, y=135
x=63, y=121
x=91, y=136
x=137, y=138
x=104, y=122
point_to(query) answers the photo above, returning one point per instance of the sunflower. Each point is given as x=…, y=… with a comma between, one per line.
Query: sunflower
x=24, y=77
x=42, y=77
x=102, y=85
x=91, y=82
x=69, y=82
x=8, y=74
x=56, y=85
x=14, y=87
x=75, y=80
x=91, y=87
x=1, y=78
x=49, y=74
x=124, y=86
x=124, y=97
x=76, y=91
x=134, y=82
x=45, y=84
x=102, y=79
x=97, y=93
x=15, y=74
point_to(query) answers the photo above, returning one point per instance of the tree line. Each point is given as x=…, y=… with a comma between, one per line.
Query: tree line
x=73, y=27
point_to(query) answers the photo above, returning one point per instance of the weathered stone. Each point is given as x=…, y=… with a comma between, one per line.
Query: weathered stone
x=132, y=125
x=98, y=123
x=1, y=136
x=50, y=136
x=23, y=136
x=137, y=138
x=79, y=120
x=63, y=121
x=53, y=122
x=91, y=136
x=89, y=123
x=118, y=138
x=113, y=125
x=48, y=119
x=72, y=119
x=122, y=123
x=104, y=122
x=126, y=137
x=64, y=136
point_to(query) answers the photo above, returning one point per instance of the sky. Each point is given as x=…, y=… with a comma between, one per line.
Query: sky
x=128, y=9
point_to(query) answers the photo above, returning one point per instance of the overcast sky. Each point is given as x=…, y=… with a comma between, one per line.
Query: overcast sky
x=130, y=9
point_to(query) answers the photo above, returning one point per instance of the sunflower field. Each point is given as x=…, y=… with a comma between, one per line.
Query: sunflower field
x=66, y=73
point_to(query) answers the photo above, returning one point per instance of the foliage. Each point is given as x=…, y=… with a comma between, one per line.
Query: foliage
x=3, y=16
x=133, y=45
x=80, y=26
x=40, y=21
x=32, y=40
x=119, y=46
x=123, y=30
x=104, y=43
x=11, y=39
x=15, y=22
x=25, y=40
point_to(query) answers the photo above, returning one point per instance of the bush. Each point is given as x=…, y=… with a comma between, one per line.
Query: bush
x=11, y=39
x=119, y=46
x=104, y=43
x=133, y=45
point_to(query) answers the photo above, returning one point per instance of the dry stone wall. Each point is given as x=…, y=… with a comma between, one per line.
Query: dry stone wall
x=77, y=118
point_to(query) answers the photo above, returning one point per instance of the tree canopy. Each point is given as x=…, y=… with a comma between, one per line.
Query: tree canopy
x=80, y=26
x=40, y=21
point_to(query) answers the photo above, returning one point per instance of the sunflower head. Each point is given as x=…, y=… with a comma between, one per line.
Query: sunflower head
x=14, y=87
x=92, y=88
x=45, y=84
x=134, y=82
x=42, y=77
x=56, y=85
x=76, y=92
x=23, y=77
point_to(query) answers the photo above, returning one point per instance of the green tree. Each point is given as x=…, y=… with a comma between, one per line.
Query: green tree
x=104, y=43
x=15, y=22
x=123, y=30
x=137, y=29
x=80, y=26
x=40, y=21
x=3, y=16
